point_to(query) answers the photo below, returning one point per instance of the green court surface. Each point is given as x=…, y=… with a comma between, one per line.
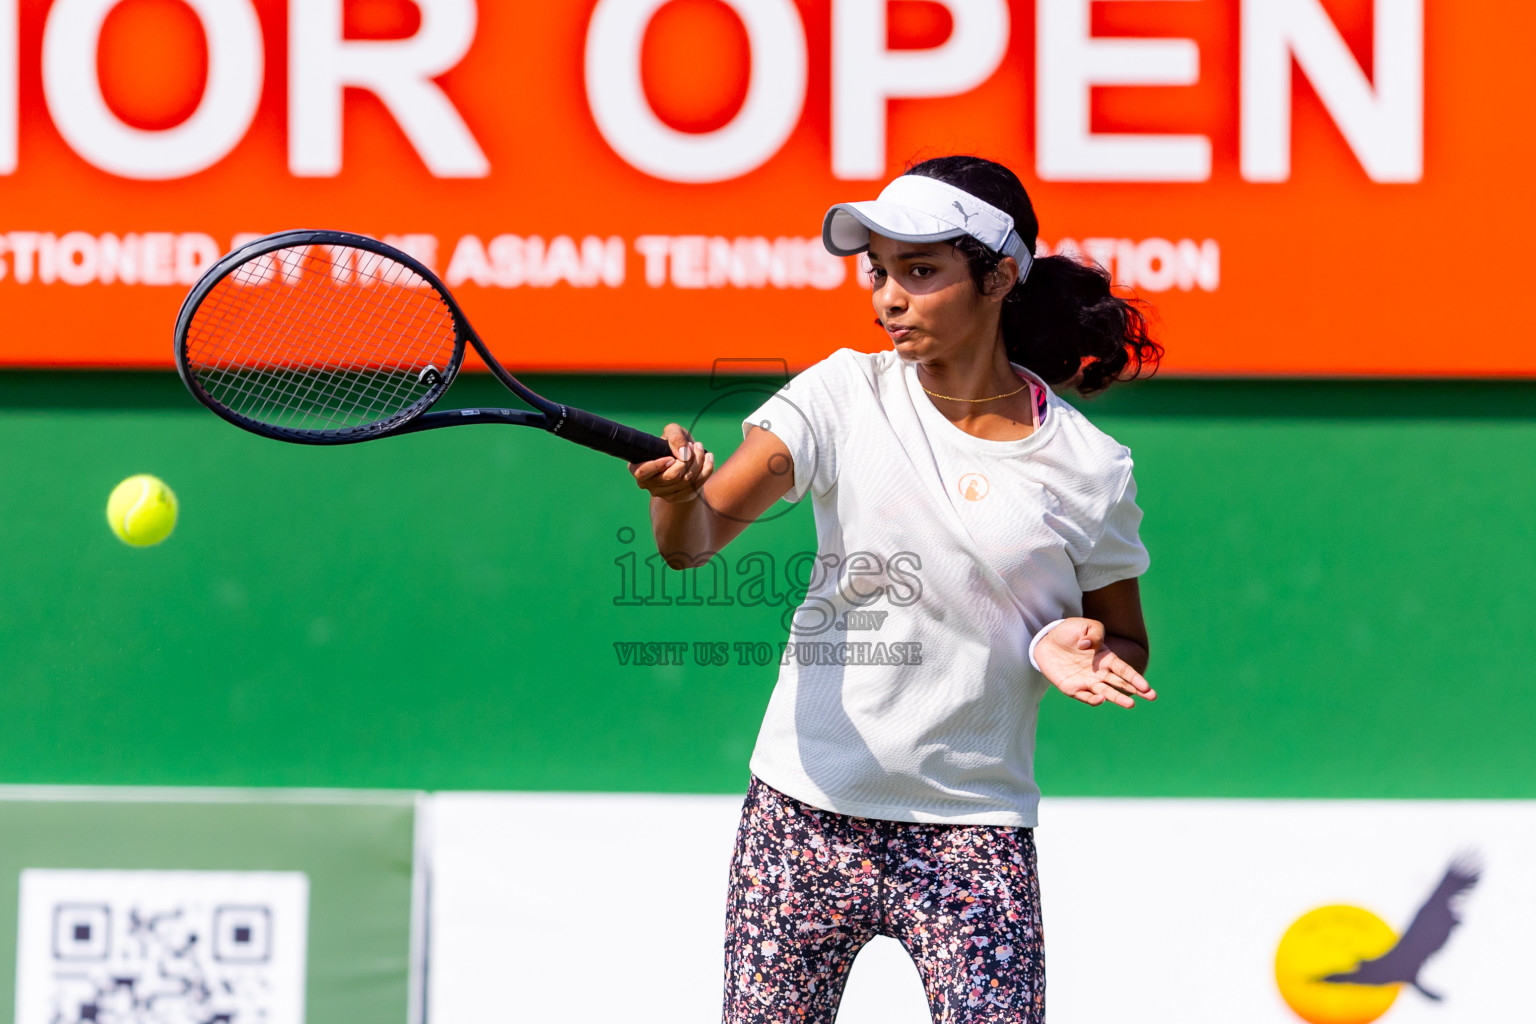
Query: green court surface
x=1339, y=599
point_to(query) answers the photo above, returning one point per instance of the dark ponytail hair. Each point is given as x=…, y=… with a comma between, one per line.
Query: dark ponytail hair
x=1063, y=321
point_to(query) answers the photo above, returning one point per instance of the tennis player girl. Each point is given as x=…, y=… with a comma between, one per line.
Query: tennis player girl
x=899, y=798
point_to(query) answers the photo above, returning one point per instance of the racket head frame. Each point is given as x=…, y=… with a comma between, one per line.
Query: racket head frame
x=574, y=424
x=409, y=420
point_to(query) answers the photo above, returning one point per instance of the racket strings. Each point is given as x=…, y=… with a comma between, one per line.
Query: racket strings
x=321, y=339
x=328, y=397
x=337, y=399
x=332, y=392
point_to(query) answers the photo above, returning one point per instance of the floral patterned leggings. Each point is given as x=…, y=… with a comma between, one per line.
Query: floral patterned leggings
x=810, y=887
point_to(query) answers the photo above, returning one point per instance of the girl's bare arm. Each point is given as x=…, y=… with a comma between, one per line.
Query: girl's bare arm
x=696, y=510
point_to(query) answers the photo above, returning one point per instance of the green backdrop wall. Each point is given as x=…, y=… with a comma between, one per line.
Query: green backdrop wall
x=1340, y=599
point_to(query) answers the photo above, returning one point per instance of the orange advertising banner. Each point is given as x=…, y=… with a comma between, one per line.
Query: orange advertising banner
x=1299, y=187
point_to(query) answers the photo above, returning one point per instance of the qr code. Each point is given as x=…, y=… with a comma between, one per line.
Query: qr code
x=161, y=947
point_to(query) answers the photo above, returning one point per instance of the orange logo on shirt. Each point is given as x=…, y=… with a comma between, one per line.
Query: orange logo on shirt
x=974, y=487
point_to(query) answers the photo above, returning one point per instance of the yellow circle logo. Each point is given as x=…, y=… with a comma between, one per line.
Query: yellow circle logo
x=974, y=487
x=1333, y=940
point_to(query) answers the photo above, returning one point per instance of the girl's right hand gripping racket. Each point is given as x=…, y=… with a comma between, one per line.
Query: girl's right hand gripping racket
x=325, y=337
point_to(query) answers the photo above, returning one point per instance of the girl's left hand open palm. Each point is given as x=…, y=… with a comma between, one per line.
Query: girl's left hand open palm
x=1076, y=660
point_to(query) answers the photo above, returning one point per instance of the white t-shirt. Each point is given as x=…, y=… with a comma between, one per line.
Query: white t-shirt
x=950, y=551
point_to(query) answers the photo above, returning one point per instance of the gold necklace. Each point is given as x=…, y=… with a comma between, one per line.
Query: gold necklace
x=994, y=398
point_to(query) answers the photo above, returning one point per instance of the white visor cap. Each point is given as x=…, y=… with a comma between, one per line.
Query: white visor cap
x=916, y=208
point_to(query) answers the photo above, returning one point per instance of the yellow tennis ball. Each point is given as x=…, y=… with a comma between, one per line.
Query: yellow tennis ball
x=142, y=511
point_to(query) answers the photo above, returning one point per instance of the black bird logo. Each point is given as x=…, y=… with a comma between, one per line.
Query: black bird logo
x=1425, y=937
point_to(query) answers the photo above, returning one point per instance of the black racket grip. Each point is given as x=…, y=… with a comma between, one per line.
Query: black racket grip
x=609, y=437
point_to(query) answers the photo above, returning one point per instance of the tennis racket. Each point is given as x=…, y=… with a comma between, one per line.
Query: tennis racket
x=326, y=337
